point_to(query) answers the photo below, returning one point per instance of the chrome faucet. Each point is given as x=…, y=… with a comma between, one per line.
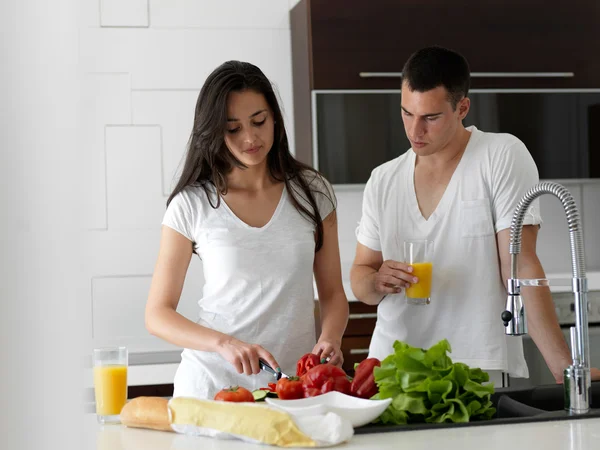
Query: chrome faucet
x=577, y=381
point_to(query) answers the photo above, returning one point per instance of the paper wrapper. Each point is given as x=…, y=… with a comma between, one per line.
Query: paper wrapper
x=256, y=423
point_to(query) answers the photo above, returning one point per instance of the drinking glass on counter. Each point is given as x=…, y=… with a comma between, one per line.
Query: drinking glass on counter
x=419, y=255
x=110, y=382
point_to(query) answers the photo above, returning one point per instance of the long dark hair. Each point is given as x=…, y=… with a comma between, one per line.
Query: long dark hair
x=208, y=160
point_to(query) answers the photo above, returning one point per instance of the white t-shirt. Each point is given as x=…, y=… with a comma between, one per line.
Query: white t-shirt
x=468, y=294
x=258, y=284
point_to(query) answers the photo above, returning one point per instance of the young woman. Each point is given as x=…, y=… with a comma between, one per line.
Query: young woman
x=263, y=224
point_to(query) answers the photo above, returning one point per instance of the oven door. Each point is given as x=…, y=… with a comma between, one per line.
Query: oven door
x=538, y=370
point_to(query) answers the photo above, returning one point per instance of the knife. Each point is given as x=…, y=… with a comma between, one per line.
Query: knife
x=267, y=368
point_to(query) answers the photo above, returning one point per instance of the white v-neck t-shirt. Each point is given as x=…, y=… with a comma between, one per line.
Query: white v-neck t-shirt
x=468, y=294
x=258, y=284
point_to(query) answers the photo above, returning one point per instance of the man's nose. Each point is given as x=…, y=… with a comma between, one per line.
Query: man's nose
x=418, y=128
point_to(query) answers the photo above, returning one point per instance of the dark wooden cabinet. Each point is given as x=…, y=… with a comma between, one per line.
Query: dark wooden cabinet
x=357, y=338
x=509, y=44
x=349, y=37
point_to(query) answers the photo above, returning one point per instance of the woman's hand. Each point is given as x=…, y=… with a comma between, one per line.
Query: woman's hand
x=244, y=357
x=328, y=350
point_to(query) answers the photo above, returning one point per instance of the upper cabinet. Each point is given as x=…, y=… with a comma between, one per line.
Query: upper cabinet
x=535, y=72
x=357, y=44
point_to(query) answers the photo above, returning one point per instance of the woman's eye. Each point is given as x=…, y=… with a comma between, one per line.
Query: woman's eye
x=258, y=124
x=233, y=130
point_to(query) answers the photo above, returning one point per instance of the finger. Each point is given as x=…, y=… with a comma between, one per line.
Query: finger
x=253, y=358
x=397, y=265
x=317, y=349
x=270, y=359
x=397, y=278
x=237, y=365
x=247, y=364
x=385, y=289
x=337, y=359
x=327, y=353
x=398, y=287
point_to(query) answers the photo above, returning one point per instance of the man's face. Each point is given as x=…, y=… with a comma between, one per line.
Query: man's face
x=429, y=120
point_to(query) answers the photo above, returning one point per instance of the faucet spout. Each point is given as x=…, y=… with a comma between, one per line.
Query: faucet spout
x=577, y=376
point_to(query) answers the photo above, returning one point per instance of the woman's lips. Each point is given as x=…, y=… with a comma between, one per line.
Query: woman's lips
x=253, y=150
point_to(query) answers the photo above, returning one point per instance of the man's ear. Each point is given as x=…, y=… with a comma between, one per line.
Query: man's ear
x=463, y=107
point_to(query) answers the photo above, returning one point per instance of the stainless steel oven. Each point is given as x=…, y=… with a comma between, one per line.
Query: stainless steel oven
x=563, y=301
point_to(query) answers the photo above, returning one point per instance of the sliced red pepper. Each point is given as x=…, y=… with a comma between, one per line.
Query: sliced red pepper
x=325, y=378
x=306, y=363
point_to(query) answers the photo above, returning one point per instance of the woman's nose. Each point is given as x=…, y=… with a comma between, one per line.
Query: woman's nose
x=248, y=135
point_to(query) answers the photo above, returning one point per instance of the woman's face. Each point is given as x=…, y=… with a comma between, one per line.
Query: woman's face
x=250, y=127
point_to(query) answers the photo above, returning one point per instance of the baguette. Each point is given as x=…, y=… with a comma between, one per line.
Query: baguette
x=147, y=412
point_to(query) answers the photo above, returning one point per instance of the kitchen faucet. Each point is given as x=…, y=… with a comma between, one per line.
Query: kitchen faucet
x=577, y=381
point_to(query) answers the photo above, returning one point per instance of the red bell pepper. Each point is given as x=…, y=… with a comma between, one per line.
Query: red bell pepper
x=325, y=378
x=363, y=385
x=306, y=363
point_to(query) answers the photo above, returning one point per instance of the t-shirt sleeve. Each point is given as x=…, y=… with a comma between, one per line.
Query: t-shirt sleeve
x=367, y=232
x=181, y=215
x=324, y=196
x=514, y=173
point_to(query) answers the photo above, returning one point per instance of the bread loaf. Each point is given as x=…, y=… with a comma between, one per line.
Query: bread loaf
x=147, y=412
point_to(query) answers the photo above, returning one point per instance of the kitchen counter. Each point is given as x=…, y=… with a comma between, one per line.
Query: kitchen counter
x=581, y=434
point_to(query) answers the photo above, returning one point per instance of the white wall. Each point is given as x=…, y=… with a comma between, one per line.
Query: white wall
x=144, y=63
x=40, y=341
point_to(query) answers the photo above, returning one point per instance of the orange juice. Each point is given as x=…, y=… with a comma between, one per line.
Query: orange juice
x=110, y=383
x=422, y=289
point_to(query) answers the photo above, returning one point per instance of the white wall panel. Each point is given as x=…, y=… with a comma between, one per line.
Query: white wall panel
x=232, y=14
x=174, y=111
x=134, y=174
x=118, y=306
x=182, y=59
x=124, y=13
x=105, y=100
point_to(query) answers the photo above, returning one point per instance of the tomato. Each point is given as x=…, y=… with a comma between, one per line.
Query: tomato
x=325, y=378
x=306, y=363
x=363, y=385
x=290, y=388
x=234, y=394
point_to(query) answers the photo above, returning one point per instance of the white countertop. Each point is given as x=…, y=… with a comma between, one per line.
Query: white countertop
x=583, y=434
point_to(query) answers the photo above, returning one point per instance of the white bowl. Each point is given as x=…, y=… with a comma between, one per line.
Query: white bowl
x=358, y=411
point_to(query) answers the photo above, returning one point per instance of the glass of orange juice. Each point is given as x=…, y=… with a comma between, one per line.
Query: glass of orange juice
x=419, y=255
x=110, y=382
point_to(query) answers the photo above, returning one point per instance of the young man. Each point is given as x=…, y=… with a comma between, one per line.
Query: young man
x=458, y=187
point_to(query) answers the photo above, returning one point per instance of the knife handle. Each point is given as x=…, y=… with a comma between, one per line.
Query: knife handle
x=267, y=368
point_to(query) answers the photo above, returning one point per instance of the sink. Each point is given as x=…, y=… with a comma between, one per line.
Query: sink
x=538, y=404
x=536, y=401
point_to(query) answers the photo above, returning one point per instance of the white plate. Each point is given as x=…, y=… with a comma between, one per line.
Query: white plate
x=358, y=411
